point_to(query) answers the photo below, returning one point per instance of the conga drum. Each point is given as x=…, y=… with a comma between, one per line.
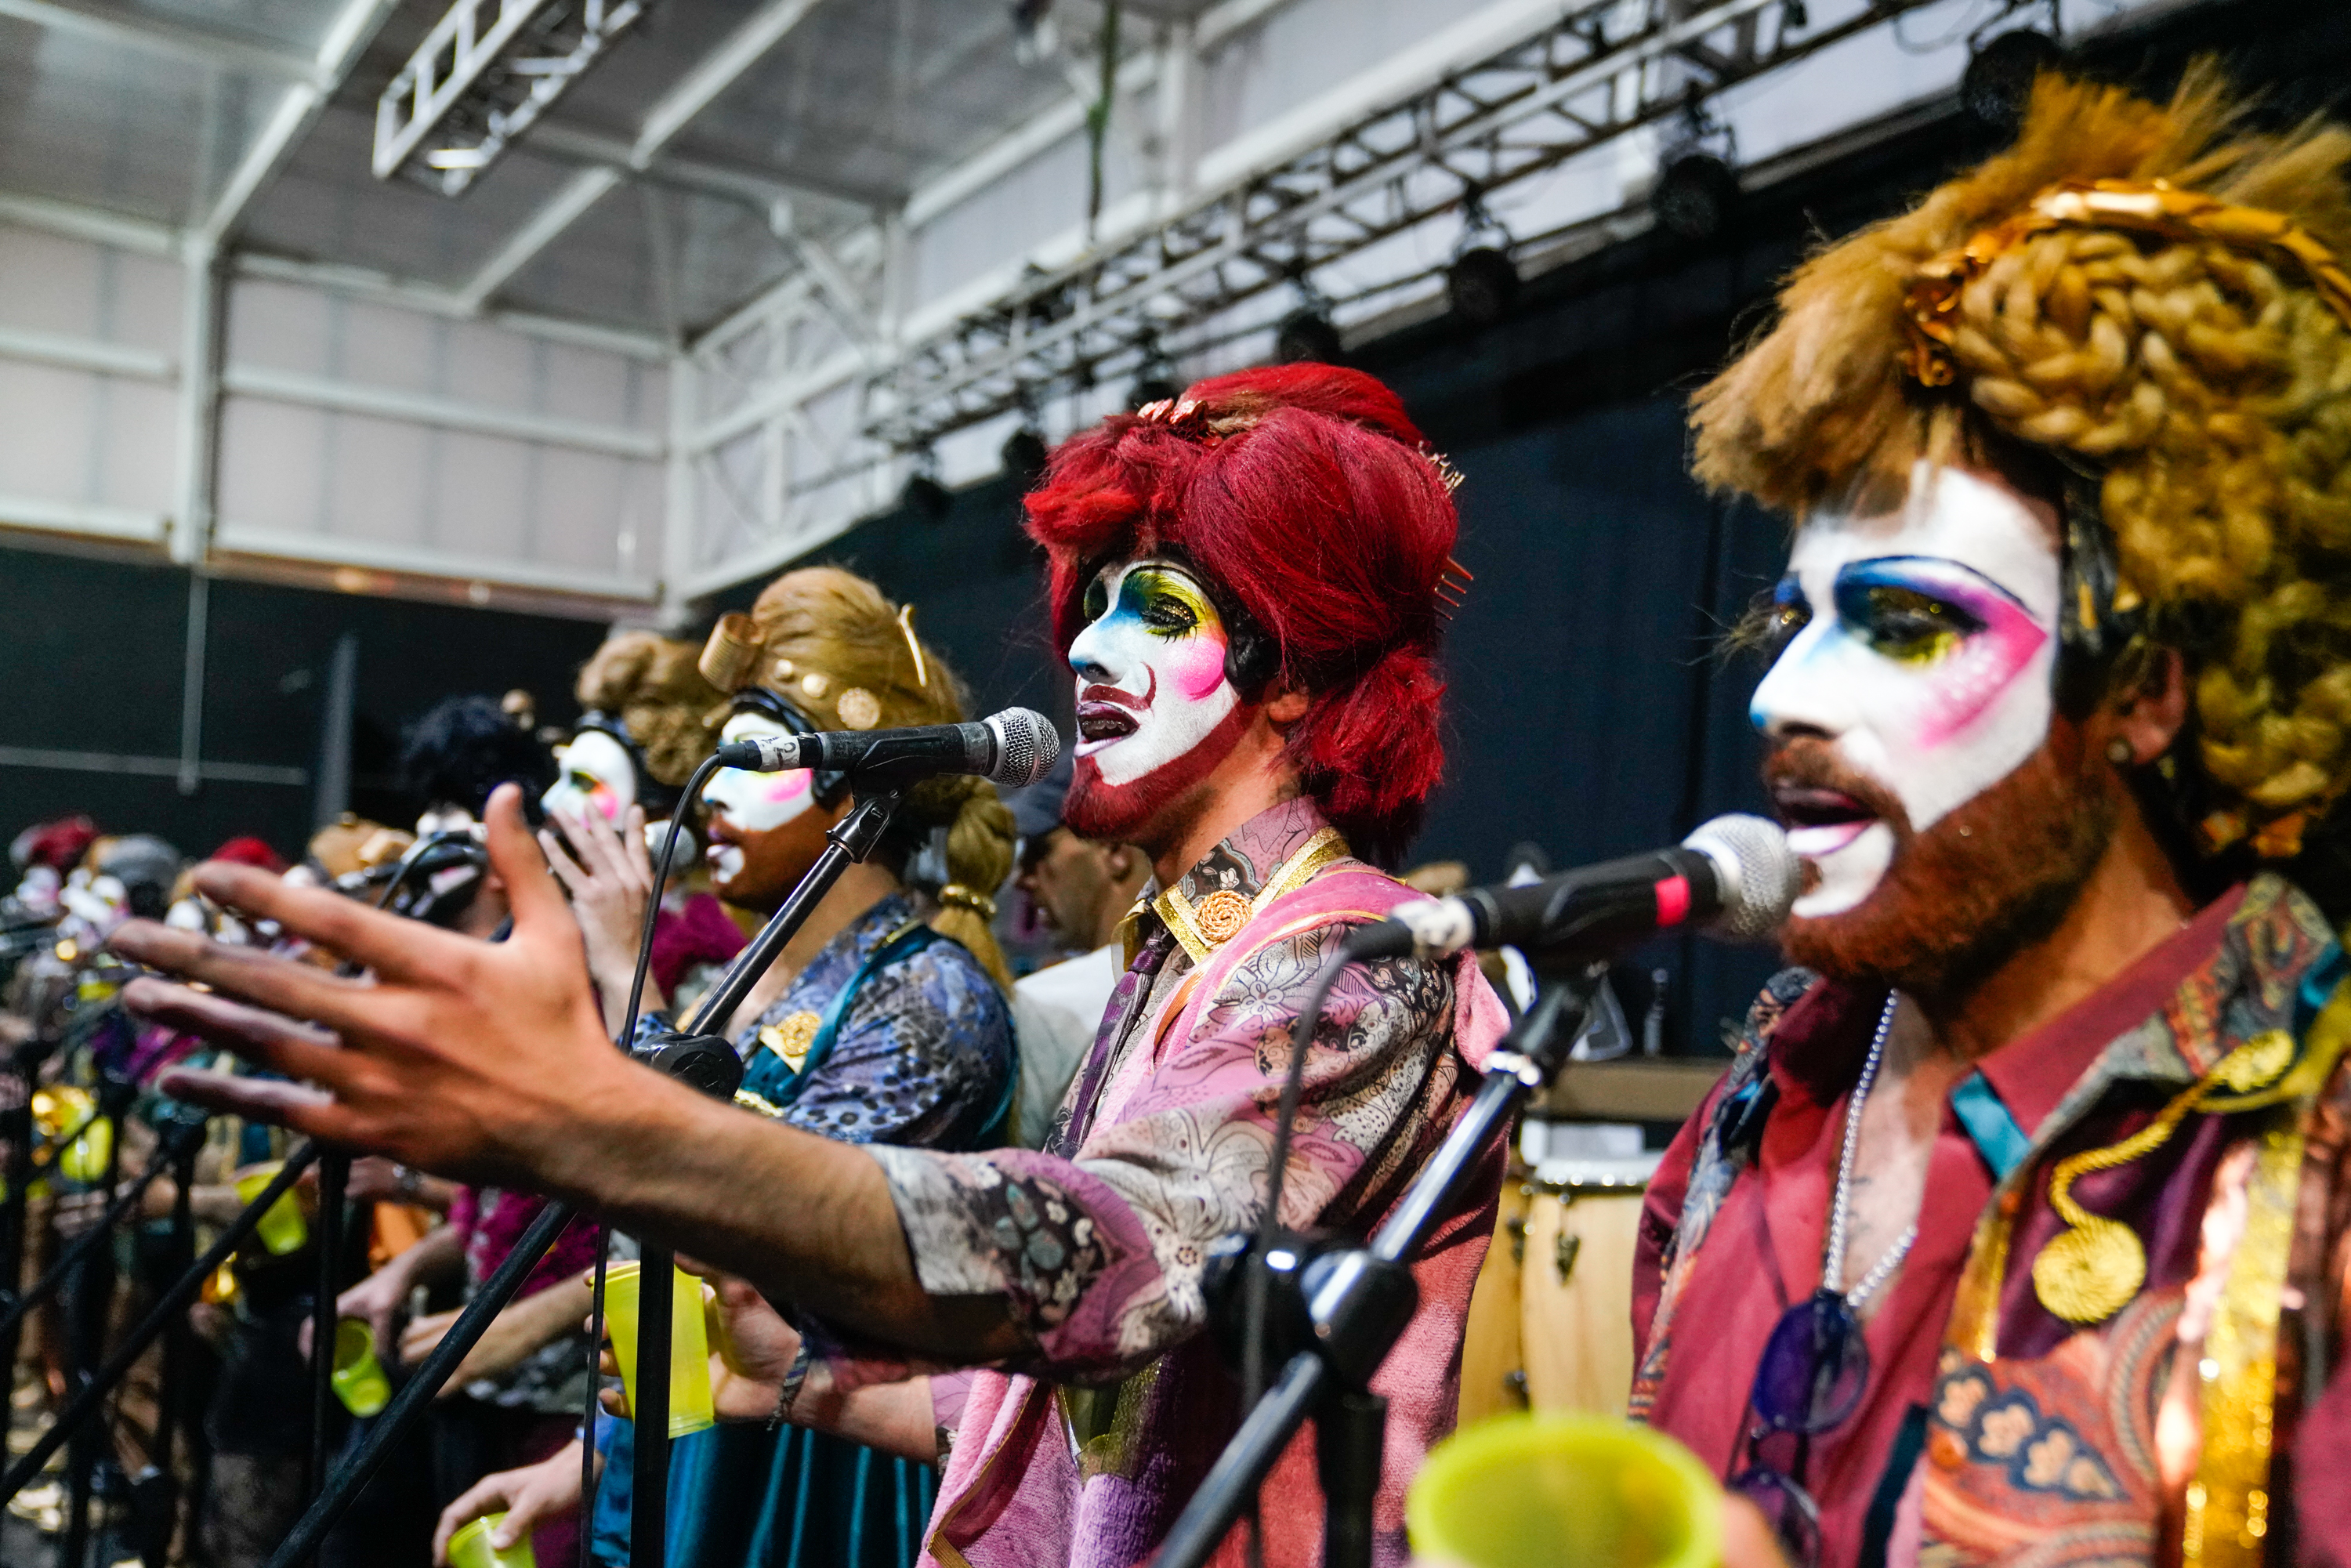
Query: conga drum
x=1575, y=1288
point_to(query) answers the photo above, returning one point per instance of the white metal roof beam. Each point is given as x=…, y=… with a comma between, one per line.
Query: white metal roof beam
x=195, y=46
x=579, y=194
x=338, y=51
x=718, y=70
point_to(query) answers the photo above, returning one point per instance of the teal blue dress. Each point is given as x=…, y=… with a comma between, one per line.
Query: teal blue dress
x=912, y=1044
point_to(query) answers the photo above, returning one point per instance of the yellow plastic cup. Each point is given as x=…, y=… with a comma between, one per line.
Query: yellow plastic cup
x=84, y=1159
x=282, y=1229
x=689, y=1346
x=358, y=1377
x=471, y=1548
x=1556, y=1490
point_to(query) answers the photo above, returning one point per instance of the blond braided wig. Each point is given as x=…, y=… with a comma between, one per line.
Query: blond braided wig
x=2195, y=372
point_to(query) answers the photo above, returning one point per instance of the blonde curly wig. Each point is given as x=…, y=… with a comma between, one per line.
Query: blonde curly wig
x=2187, y=355
x=650, y=684
x=833, y=646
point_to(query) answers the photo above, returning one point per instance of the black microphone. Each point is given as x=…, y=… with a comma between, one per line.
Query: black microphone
x=1012, y=748
x=1734, y=876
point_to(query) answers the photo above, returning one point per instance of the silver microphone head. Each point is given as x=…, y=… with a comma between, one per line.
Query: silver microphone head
x=1758, y=875
x=1026, y=745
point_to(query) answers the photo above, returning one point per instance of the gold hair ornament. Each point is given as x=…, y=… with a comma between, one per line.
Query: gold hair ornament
x=732, y=653
x=906, y=625
x=2145, y=206
x=962, y=897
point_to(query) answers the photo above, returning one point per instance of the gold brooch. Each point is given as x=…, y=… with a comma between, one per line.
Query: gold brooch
x=860, y=709
x=1221, y=916
x=791, y=1036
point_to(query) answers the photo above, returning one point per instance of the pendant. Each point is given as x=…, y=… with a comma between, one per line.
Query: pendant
x=2091, y=1272
x=790, y=1038
x=1814, y=1365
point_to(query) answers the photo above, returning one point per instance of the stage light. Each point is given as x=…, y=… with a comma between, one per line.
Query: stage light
x=1481, y=284
x=1695, y=195
x=1999, y=78
x=1306, y=335
x=1024, y=453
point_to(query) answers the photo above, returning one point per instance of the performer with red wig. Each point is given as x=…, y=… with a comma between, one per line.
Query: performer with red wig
x=1247, y=582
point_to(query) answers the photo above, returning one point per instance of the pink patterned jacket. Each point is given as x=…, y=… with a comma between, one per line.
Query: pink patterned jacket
x=1082, y=1449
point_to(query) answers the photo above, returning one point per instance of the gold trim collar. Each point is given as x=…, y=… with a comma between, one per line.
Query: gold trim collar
x=1201, y=928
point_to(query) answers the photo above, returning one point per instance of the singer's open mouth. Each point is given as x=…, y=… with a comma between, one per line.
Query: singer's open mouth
x=1819, y=822
x=1100, y=723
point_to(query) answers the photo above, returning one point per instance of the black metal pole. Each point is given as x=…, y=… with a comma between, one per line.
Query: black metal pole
x=16, y=1127
x=649, y=1475
x=334, y=1179
x=1350, y=1433
x=416, y=1396
x=88, y=1309
x=48, y=1283
x=169, y=1305
x=171, y=1389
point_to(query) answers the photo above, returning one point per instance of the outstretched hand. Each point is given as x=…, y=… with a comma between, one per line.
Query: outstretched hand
x=479, y=1060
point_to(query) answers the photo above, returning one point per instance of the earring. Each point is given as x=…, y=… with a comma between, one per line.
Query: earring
x=2119, y=752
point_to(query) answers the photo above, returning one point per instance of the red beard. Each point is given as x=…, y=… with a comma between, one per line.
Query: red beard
x=1153, y=809
x=1988, y=879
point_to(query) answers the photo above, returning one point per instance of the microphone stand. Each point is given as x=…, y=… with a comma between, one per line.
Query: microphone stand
x=334, y=1180
x=1346, y=1306
x=162, y=1521
x=169, y=1305
x=91, y=1282
x=16, y=1126
x=702, y=1062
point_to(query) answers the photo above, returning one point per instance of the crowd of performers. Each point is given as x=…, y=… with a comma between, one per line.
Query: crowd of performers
x=2018, y=1230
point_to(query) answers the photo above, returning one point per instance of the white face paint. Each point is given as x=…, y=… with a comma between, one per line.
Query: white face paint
x=596, y=778
x=743, y=803
x=1150, y=667
x=1923, y=655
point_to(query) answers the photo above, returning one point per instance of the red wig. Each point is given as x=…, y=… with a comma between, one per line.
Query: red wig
x=1303, y=493
x=247, y=850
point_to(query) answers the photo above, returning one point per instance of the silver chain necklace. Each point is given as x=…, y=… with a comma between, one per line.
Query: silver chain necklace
x=1832, y=1261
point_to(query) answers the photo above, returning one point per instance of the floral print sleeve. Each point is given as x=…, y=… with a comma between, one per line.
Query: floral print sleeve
x=1099, y=1255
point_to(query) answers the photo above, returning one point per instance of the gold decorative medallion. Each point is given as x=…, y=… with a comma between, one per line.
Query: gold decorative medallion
x=815, y=684
x=860, y=709
x=790, y=1037
x=2089, y=1274
x=1221, y=916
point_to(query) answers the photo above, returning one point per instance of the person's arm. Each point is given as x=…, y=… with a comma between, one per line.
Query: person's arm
x=489, y=1063
x=523, y=1327
x=756, y=1351
x=378, y=1298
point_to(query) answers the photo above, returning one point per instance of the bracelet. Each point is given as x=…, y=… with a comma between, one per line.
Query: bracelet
x=786, y=1395
x=407, y=1181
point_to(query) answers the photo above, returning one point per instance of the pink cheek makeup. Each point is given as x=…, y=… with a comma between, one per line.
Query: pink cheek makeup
x=1197, y=667
x=1971, y=678
x=782, y=787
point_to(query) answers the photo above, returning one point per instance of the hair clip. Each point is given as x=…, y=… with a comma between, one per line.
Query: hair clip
x=734, y=648
x=1453, y=581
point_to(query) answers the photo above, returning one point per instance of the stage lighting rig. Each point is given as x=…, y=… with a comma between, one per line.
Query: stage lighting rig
x=487, y=72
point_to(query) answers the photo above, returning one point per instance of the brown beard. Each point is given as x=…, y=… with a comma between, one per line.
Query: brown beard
x=1990, y=878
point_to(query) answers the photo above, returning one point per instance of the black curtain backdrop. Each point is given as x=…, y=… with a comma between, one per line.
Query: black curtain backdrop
x=1588, y=714
x=94, y=657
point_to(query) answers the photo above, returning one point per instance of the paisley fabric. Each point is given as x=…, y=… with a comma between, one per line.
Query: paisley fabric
x=1081, y=1449
x=2036, y=1440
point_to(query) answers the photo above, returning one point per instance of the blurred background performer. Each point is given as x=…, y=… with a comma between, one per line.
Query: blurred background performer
x=2020, y=1213
x=1258, y=702
x=1081, y=891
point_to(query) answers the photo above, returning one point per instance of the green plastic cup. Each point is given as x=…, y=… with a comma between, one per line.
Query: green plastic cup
x=471, y=1548
x=359, y=1378
x=689, y=1346
x=282, y=1229
x=1556, y=1490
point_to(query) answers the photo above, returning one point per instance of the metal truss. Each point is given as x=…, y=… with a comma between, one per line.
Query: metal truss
x=486, y=72
x=1604, y=69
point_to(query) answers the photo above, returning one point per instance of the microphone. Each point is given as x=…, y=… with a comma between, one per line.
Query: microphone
x=1012, y=748
x=1734, y=876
